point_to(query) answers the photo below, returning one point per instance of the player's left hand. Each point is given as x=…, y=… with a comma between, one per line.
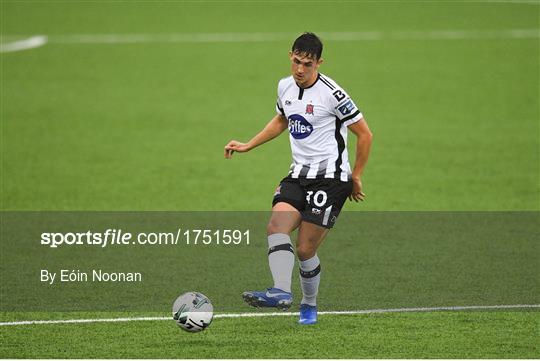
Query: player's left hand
x=235, y=146
x=357, y=194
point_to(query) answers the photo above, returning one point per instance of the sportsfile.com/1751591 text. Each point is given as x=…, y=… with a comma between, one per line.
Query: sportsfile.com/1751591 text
x=118, y=237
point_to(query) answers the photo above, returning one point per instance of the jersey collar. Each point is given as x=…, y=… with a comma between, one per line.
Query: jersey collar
x=301, y=90
x=315, y=82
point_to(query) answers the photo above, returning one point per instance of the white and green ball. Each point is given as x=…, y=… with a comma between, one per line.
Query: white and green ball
x=193, y=311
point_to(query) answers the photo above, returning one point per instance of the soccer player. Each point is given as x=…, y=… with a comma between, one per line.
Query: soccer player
x=317, y=112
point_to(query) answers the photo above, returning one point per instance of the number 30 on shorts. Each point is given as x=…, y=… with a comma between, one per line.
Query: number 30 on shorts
x=319, y=198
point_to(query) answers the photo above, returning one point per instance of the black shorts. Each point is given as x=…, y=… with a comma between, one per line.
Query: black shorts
x=319, y=201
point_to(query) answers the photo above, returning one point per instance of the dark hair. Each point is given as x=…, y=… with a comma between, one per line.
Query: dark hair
x=309, y=44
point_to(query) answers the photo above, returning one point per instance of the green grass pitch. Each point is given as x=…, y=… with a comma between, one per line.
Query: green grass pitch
x=141, y=127
x=415, y=335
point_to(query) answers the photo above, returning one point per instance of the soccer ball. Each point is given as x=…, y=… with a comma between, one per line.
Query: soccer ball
x=193, y=312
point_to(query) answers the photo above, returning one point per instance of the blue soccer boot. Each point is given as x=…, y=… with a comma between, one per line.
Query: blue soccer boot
x=272, y=297
x=308, y=314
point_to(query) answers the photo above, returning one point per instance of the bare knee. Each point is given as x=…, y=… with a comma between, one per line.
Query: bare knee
x=310, y=238
x=305, y=251
x=274, y=226
x=285, y=219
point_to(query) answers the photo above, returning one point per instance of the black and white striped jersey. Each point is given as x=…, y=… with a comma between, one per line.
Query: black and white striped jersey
x=318, y=118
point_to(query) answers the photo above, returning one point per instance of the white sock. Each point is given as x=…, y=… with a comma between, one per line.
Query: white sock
x=310, y=277
x=281, y=260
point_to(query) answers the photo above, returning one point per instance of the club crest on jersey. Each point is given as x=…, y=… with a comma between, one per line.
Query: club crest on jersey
x=299, y=127
x=309, y=109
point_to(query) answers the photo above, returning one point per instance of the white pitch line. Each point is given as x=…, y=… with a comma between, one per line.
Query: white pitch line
x=276, y=37
x=271, y=314
x=528, y=2
x=169, y=38
x=25, y=44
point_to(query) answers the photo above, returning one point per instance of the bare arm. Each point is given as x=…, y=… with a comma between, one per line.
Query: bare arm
x=275, y=127
x=363, y=144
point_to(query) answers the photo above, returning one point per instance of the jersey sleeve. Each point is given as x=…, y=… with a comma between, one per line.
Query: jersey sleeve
x=345, y=109
x=279, y=105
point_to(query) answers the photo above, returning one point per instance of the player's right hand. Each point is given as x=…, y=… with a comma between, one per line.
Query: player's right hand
x=357, y=194
x=235, y=146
